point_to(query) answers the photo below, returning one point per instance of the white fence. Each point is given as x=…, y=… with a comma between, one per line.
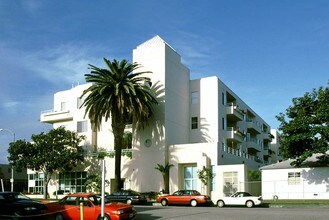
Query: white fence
x=302, y=190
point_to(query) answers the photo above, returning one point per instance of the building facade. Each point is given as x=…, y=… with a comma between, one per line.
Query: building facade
x=197, y=123
x=284, y=181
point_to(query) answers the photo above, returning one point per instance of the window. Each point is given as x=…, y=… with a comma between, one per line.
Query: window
x=194, y=97
x=194, y=123
x=80, y=101
x=64, y=106
x=72, y=181
x=82, y=126
x=293, y=178
x=37, y=187
x=230, y=183
x=223, y=99
x=190, y=177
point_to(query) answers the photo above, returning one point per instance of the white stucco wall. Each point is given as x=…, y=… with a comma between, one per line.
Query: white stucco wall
x=206, y=109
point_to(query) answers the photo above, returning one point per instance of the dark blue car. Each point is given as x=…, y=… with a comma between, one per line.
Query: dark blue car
x=126, y=196
x=15, y=205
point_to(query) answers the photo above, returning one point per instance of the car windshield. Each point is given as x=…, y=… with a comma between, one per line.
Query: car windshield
x=178, y=193
x=14, y=196
x=97, y=200
x=240, y=194
x=196, y=193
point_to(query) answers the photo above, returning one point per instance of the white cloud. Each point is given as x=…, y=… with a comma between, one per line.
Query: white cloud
x=64, y=64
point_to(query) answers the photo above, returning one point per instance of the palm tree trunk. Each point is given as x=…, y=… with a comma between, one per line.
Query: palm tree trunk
x=118, y=131
x=166, y=182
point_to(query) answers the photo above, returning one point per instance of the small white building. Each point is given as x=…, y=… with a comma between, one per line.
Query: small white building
x=283, y=181
x=197, y=123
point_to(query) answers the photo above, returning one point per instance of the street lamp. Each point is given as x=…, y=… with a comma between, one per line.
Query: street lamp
x=12, y=169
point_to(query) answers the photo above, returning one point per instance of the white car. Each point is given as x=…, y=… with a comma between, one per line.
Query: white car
x=240, y=198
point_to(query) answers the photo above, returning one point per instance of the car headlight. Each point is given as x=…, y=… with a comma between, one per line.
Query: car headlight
x=118, y=212
x=30, y=208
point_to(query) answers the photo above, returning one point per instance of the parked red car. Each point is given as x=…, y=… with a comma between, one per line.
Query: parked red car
x=69, y=208
x=184, y=197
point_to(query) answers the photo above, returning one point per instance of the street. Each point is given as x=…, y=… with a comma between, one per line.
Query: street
x=230, y=213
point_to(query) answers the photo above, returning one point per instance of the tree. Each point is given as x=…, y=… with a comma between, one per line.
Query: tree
x=122, y=95
x=305, y=131
x=127, y=140
x=254, y=175
x=94, y=183
x=164, y=170
x=56, y=151
x=205, y=175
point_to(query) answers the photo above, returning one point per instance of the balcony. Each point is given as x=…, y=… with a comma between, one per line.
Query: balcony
x=234, y=134
x=233, y=112
x=253, y=127
x=52, y=116
x=267, y=136
x=253, y=145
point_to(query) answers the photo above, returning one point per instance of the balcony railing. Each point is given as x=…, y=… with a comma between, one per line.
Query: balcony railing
x=237, y=152
x=111, y=153
x=51, y=116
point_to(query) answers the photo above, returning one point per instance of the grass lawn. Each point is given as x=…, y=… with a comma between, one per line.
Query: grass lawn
x=296, y=202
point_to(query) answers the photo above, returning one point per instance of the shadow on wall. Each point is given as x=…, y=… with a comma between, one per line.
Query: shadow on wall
x=204, y=130
x=154, y=152
x=318, y=173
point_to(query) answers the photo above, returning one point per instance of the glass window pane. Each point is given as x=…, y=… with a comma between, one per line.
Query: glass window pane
x=187, y=172
x=187, y=184
x=194, y=97
x=194, y=184
x=194, y=172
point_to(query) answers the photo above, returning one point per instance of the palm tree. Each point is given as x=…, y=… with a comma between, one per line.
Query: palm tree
x=164, y=170
x=120, y=94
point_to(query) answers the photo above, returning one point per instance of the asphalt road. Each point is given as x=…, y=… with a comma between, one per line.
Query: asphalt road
x=231, y=213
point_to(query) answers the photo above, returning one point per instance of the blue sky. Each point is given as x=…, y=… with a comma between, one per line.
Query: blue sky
x=266, y=51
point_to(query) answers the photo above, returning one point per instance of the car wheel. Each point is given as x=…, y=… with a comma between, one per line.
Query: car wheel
x=59, y=216
x=106, y=217
x=193, y=203
x=220, y=203
x=249, y=203
x=164, y=202
x=129, y=201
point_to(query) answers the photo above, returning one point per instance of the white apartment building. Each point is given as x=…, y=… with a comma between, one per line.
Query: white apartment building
x=197, y=123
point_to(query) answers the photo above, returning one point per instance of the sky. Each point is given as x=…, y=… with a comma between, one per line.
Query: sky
x=266, y=51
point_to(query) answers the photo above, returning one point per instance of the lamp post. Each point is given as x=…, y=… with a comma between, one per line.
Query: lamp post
x=12, y=169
